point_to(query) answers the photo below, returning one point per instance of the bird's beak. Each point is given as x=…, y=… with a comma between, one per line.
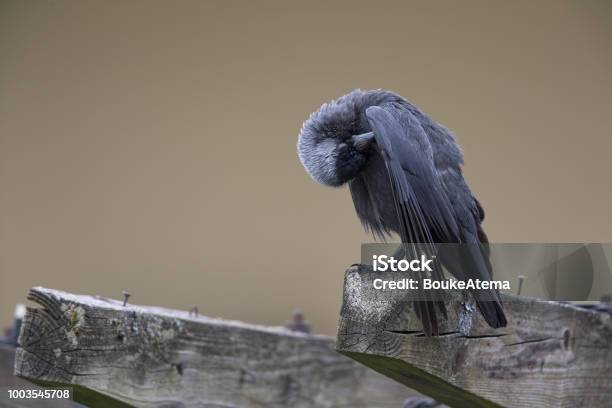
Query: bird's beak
x=363, y=141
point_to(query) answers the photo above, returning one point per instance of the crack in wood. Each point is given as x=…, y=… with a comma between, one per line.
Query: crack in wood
x=518, y=343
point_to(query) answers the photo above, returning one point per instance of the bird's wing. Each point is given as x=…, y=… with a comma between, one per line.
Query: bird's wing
x=422, y=204
x=424, y=207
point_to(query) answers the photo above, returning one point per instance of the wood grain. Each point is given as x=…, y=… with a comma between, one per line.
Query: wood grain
x=8, y=381
x=550, y=355
x=152, y=357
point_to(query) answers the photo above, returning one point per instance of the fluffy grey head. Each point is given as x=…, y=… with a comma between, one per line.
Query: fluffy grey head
x=325, y=146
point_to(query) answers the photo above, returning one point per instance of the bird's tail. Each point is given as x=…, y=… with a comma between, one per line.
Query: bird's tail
x=426, y=313
x=472, y=261
x=492, y=312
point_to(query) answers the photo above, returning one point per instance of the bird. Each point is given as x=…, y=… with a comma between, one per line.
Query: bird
x=404, y=173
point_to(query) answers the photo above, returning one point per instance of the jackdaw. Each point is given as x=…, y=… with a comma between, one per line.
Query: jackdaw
x=404, y=174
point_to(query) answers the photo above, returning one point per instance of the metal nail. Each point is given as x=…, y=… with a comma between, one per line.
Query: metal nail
x=126, y=296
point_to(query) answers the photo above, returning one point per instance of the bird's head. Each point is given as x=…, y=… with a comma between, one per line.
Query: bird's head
x=334, y=142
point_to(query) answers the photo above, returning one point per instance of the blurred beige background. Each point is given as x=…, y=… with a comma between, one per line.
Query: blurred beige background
x=150, y=145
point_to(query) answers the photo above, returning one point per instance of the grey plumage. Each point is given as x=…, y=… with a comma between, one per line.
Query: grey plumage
x=404, y=174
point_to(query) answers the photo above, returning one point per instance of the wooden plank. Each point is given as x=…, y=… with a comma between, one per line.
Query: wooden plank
x=550, y=355
x=8, y=381
x=152, y=357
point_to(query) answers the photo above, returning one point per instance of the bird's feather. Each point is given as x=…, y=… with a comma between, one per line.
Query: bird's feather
x=426, y=214
x=409, y=157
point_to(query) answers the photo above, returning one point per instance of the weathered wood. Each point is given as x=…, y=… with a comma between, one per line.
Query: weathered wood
x=151, y=357
x=8, y=381
x=550, y=355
